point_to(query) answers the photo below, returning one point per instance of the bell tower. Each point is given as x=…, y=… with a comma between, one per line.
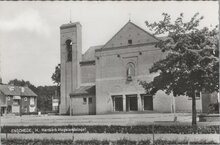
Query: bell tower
x=71, y=53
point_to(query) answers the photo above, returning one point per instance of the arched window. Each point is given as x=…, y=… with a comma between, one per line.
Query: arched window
x=130, y=71
x=69, y=50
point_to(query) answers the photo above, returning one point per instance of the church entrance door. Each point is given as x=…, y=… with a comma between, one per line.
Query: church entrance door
x=148, y=102
x=117, y=103
x=131, y=103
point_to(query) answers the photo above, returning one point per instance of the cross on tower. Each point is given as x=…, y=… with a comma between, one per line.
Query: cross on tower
x=129, y=17
x=70, y=17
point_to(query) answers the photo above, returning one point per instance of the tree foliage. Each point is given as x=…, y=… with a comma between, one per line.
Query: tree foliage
x=192, y=58
x=56, y=75
x=23, y=83
x=45, y=96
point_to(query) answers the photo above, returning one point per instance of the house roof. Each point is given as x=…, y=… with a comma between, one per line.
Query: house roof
x=90, y=53
x=84, y=90
x=11, y=90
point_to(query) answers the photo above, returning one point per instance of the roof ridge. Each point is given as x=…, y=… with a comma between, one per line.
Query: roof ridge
x=116, y=34
x=92, y=47
x=145, y=31
x=129, y=22
x=6, y=89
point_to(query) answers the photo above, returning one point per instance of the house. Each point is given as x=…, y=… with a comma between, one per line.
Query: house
x=55, y=104
x=105, y=79
x=17, y=100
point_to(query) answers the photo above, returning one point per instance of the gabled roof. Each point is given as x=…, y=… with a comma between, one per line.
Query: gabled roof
x=130, y=31
x=84, y=90
x=11, y=90
x=89, y=55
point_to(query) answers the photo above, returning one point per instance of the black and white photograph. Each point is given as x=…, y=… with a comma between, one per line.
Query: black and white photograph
x=109, y=73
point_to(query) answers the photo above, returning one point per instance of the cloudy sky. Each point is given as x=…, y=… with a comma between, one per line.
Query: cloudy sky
x=29, y=31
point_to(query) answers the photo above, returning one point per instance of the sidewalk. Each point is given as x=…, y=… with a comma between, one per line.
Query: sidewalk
x=108, y=119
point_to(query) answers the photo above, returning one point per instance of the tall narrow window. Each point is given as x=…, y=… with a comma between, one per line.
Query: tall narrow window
x=117, y=102
x=84, y=100
x=32, y=101
x=90, y=100
x=69, y=50
x=130, y=71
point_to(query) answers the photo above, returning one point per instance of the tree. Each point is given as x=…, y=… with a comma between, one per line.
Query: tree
x=56, y=75
x=23, y=83
x=191, y=62
x=56, y=78
x=45, y=95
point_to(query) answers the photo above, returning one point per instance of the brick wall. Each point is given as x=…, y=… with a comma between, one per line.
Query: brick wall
x=184, y=104
x=87, y=73
x=111, y=76
x=70, y=71
x=79, y=107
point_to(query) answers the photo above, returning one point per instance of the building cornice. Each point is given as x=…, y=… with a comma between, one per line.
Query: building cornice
x=89, y=62
x=123, y=47
x=70, y=25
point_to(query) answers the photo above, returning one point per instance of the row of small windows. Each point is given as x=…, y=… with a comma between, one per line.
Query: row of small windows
x=87, y=99
x=69, y=49
x=129, y=42
x=9, y=98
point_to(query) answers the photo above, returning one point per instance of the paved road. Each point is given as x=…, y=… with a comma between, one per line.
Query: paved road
x=110, y=119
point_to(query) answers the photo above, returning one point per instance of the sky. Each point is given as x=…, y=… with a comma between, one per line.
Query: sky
x=30, y=35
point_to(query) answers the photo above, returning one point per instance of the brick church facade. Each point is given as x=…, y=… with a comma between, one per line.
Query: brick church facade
x=105, y=78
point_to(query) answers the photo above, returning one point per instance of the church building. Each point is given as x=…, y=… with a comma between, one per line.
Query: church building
x=105, y=79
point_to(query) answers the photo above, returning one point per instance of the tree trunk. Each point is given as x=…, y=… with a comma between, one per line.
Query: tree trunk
x=193, y=109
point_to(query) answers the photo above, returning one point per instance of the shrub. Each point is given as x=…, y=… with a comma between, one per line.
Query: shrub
x=97, y=142
x=214, y=108
x=139, y=129
x=125, y=142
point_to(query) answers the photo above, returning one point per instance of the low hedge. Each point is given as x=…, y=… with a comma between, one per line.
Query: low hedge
x=138, y=129
x=97, y=142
